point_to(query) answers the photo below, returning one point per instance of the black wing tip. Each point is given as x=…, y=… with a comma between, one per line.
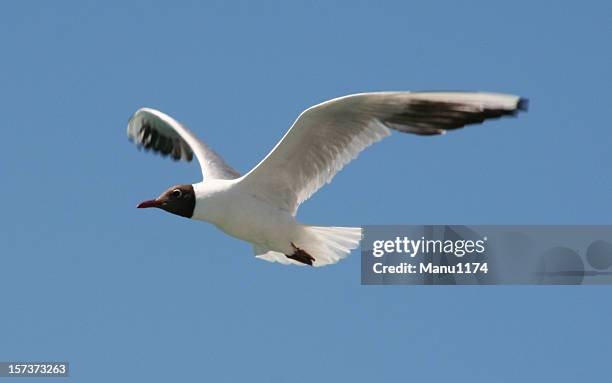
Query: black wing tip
x=523, y=104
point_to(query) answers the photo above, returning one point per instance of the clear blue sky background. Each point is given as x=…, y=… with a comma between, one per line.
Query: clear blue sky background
x=132, y=295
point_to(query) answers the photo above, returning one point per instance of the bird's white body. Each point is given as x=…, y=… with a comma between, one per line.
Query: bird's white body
x=244, y=216
x=260, y=207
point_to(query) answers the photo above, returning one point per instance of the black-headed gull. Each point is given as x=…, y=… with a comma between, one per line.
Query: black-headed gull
x=260, y=206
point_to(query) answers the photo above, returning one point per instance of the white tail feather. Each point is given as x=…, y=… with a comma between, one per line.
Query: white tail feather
x=327, y=245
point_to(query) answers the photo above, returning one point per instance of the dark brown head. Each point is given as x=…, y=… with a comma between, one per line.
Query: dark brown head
x=179, y=200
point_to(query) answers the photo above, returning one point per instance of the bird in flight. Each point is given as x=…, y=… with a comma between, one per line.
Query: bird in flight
x=260, y=206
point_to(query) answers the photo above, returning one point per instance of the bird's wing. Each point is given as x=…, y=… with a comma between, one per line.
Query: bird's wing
x=154, y=130
x=327, y=136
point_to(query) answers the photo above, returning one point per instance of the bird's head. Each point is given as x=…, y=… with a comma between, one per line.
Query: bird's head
x=179, y=200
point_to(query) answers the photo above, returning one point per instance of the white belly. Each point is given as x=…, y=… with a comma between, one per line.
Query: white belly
x=245, y=217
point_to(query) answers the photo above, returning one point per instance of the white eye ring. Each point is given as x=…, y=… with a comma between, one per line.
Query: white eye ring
x=177, y=193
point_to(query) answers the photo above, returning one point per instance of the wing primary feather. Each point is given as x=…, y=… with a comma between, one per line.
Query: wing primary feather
x=327, y=136
x=153, y=130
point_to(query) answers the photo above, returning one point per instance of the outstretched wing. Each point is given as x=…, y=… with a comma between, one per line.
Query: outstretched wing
x=327, y=136
x=154, y=130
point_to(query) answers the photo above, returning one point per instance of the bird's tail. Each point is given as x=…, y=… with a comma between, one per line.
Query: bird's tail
x=316, y=246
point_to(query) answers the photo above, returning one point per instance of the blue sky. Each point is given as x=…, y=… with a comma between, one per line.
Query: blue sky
x=132, y=295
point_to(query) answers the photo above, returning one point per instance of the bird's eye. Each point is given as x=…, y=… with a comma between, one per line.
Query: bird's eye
x=177, y=193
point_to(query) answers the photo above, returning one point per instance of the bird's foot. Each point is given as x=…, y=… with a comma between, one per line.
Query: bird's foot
x=300, y=256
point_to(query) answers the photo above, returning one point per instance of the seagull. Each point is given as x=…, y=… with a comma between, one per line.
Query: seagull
x=260, y=207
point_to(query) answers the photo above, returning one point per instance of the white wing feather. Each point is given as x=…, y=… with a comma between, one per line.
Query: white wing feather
x=154, y=130
x=327, y=136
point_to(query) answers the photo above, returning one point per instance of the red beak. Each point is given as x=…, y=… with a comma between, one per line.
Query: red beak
x=149, y=203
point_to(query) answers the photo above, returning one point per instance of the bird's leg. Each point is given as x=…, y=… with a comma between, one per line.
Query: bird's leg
x=300, y=255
